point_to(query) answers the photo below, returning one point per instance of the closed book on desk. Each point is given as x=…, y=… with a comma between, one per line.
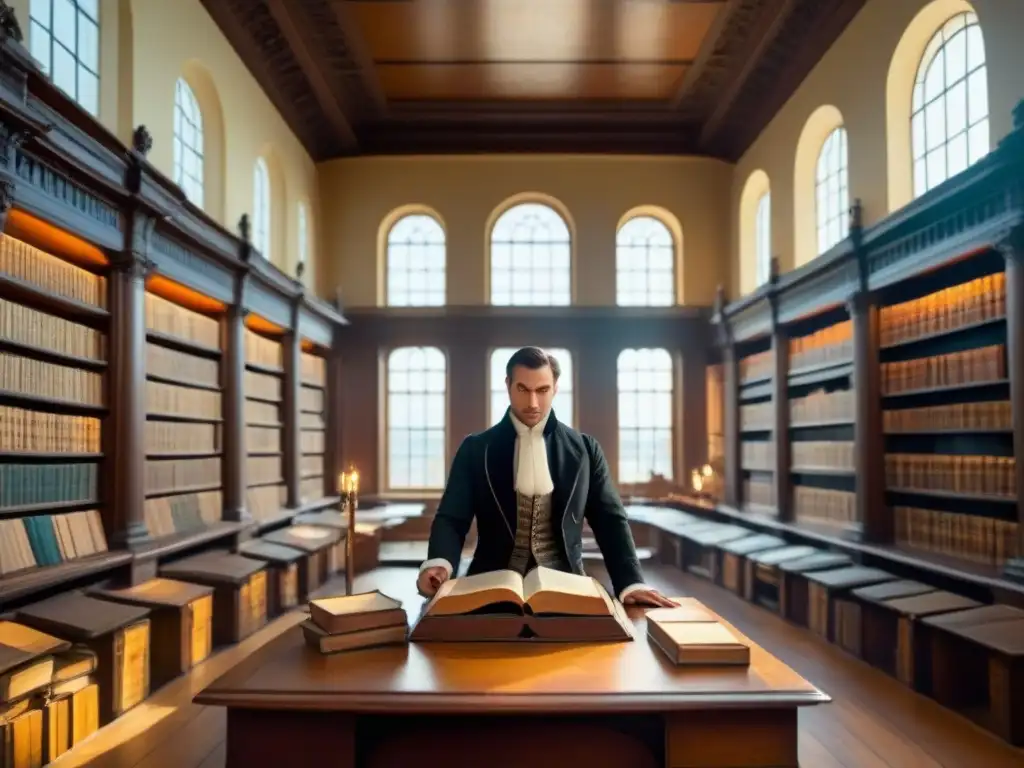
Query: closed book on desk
x=324, y=642
x=699, y=643
x=354, y=613
x=545, y=605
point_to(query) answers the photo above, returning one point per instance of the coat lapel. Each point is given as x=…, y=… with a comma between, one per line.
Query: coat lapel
x=564, y=461
x=501, y=454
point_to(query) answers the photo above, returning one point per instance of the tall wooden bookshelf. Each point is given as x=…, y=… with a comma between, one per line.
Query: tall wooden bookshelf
x=54, y=400
x=184, y=415
x=313, y=474
x=757, y=428
x=266, y=493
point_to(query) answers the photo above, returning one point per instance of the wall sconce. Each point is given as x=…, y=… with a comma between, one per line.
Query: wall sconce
x=348, y=488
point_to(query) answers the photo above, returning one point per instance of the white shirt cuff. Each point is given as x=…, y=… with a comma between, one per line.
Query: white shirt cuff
x=630, y=589
x=437, y=562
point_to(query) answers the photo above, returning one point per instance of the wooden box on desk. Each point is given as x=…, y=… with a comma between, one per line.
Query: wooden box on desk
x=701, y=542
x=731, y=558
x=793, y=603
x=316, y=542
x=762, y=582
x=239, y=591
x=831, y=611
x=118, y=634
x=287, y=573
x=181, y=623
x=977, y=666
x=890, y=613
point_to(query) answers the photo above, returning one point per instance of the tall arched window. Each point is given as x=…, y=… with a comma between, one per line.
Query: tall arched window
x=303, y=233
x=645, y=414
x=949, y=122
x=564, y=403
x=832, y=190
x=531, y=251
x=64, y=37
x=261, y=208
x=188, y=143
x=645, y=256
x=416, y=262
x=763, y=238
x=417, y=412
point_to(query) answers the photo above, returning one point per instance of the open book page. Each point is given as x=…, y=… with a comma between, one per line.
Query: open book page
x=468, y=593
x=550, y=591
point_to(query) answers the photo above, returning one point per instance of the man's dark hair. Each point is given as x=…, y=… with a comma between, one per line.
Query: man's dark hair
x=533, y=358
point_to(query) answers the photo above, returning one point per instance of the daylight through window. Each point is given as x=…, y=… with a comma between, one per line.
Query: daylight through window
x=416, y=262
x=645, y=414
x=531, y=252
x=645, y=259
x=416, y=417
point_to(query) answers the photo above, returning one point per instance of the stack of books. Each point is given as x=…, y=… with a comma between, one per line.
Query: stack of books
x=352, y=622
x=692, y=635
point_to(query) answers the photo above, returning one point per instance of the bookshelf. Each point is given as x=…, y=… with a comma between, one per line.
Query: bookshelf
x=313, y=475
x=266, y=492
x=757, y=428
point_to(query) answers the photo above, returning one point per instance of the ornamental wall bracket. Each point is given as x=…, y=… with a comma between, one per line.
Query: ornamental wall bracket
x=142, y=141
x=1011, y=244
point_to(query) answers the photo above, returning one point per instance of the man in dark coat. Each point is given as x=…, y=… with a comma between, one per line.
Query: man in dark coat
x=530, y=482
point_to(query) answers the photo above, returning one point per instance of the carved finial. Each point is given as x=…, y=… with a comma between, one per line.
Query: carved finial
x=720, y=299
x=338, y=303
x=142, y=142
x=300, y=270
x=9, y=26
x=6, y=196
x=773, y=270
x=856, y=215
x=1018, y=116
x=244, y=230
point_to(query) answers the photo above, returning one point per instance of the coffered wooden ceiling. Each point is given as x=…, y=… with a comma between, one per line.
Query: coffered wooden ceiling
x=358, y=77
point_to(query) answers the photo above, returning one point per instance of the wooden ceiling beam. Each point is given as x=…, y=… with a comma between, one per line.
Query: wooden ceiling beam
x=778, y=11
x=359, y=55
x=313, y=67
x=707, y=48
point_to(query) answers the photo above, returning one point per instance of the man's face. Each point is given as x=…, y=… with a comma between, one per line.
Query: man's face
x=530, y=393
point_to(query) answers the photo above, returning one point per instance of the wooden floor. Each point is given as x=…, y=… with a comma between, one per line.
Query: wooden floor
x=873, y=722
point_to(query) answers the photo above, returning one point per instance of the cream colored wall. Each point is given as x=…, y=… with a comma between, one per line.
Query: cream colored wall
x=145, y=46
x=465, y=191
x=853, y=77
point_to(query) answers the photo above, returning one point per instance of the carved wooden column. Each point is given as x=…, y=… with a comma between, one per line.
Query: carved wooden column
x=693, y=443
x=125, y=435
x=1012, y=248
x=233, y=374
x=334, y=455
x=780, y=421
x=731, y=454
x=291, y=440
x=874, y=518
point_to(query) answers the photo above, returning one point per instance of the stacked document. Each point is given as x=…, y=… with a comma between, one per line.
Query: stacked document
x=351, y=622
x=690, y=634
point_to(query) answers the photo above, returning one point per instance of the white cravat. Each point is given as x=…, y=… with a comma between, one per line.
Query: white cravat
x=533, y=477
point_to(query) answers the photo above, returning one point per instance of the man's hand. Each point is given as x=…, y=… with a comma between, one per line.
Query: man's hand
x=649, y=597
x=431, y=579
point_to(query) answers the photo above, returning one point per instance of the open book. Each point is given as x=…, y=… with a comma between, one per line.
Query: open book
x=546, y=604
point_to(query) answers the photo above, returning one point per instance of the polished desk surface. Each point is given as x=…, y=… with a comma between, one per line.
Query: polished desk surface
x=447, y=678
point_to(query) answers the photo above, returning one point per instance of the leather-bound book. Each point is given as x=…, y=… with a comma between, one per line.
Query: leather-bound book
x=118, y=634
x=325, y=642
x=181, y=617
x=71, y=711
x=546, y=605
x=352, y=613
x=698, y=643
x=239, y=591
x=26, y=660
x=21, y=735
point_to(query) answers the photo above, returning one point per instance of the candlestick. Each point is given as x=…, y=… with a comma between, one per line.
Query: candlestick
x=348, y=487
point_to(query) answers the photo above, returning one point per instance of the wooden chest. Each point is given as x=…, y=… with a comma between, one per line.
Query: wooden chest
x=118, y=634
x=889, y=625
x=831, y=611
x=239, y=591
x=286, y=573
x=761, y=580
x=181, y=623
x=793, y=584
x=700, y=543
x=316, y=542
x=731, y=558
x=977, y=666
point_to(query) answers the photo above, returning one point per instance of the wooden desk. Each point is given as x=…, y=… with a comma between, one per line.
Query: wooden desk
x=507, y=704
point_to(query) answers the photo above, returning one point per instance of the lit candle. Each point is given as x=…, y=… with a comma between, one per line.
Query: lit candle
x=343, y=483
x=353, y=479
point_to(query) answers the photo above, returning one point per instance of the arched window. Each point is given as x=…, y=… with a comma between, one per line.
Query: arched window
x=763, y=238
x=949, y=121
x=645, y=414
x=188, y=143
x=645, y=257
x=417, y=411
x=64, y=37
x=261, y=208
x=303, y=234
x=564, y=403
x=832, y=190
x=416, y=262
x=531, y=257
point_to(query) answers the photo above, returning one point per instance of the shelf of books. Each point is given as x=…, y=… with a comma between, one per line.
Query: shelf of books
x=821, y=420
x=184, y=417
x=312, y=427
x=266, y=494
x=756, y=427
x=715, y=388
x=949, y=461
x=53, y=396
